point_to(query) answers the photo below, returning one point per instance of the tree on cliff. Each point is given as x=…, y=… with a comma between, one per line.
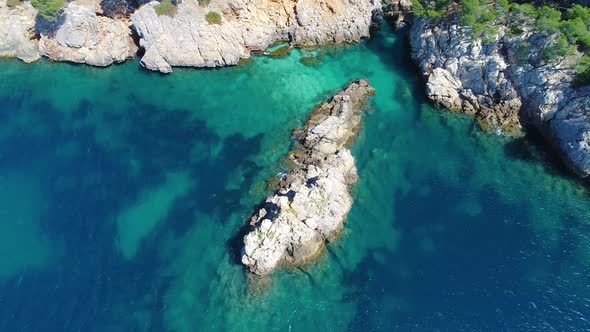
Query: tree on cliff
x=49, y=9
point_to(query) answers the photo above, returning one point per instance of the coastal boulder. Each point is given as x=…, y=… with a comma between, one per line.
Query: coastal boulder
x=17, y=32
x=85, y=37
x=313, y=199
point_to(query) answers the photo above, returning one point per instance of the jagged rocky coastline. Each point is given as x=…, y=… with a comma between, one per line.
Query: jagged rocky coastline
x=90, y=32
x=312, y=201
x=504, y=87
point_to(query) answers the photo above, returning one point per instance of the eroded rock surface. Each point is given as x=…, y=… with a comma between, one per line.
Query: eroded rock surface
x=85, y=37
x=505, y=86
x=17, y=32
x=187, y=39
x=313, y=199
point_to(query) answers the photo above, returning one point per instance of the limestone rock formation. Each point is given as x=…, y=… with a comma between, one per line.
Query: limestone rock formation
x=188, y=39
x=504, y=86
x=313, y=199
x=17, y=32
x=85, y=37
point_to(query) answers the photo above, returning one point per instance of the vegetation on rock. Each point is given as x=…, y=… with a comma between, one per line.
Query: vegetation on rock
x=568, y=29
x=49, y=9
x=213, y=18
x=166, y=7
x=13, y=3
x=281, y=52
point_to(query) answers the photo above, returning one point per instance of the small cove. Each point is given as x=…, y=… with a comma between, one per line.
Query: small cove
x=451, y=228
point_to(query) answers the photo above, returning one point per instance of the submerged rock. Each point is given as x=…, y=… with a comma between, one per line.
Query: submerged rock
x=313, y=199
x=85, y=37
x=188, y=39
x=17, y=32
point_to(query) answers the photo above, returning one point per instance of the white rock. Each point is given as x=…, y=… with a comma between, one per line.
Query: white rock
x=85, y=37
x=17, y=32
x=491, y=82
x=188, y=40
x=320, y=182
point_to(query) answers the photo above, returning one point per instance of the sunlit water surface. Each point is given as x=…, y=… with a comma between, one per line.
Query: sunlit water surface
x=122, y=195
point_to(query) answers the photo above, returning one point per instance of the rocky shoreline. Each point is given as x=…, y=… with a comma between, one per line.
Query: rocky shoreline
x=311, y=204
x=84, y=33
x=505, y=88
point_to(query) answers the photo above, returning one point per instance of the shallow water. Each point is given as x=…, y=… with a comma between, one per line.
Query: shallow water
x=122, y=194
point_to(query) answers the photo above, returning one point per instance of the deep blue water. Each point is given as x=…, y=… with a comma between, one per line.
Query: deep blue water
x=122, y=195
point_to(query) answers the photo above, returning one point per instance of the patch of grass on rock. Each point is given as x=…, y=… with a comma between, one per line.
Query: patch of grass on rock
x=49, y=9
x=166, y=8
x=213, y=18
x=13, y=3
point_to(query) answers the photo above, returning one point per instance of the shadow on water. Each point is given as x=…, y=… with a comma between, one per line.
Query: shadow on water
x=391, y=46
x=89, y=183
x=447, y=260
x=533, y=148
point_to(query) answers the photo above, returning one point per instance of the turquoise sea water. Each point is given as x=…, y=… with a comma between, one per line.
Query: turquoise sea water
x=123, y=192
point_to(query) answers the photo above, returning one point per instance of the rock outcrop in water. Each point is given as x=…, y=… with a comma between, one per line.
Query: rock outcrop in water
x=85, y=37
x=188, y=39
x=313, y=199
x=505, y=87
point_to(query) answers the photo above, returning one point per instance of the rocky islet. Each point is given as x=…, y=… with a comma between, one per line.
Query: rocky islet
x=310, y=206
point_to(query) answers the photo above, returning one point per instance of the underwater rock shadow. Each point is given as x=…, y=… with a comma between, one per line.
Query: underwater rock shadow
x=89, y=184
x=415, y=283
x=534, y=148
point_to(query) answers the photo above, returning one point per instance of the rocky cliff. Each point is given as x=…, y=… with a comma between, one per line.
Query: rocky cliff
x=313, y=199
x=504, y=85
x=189, y=39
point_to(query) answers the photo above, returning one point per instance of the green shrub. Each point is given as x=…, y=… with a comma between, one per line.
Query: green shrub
x=581, y=12
x=13, y=3
x=582, y=72
x=49, y=9
x=558, y=49
x=548, y=20
x=204, y=3
x=576, y=32
x=570, y=28
x=418, y=8
x=166, y=8
x=213, y=18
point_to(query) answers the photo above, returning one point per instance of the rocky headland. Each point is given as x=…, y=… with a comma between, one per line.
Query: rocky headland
x=504, y=82
x=311, y=204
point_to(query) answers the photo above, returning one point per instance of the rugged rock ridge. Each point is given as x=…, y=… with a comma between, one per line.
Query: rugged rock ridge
x=187, y=39
x=313, y=199
x=504, y=86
